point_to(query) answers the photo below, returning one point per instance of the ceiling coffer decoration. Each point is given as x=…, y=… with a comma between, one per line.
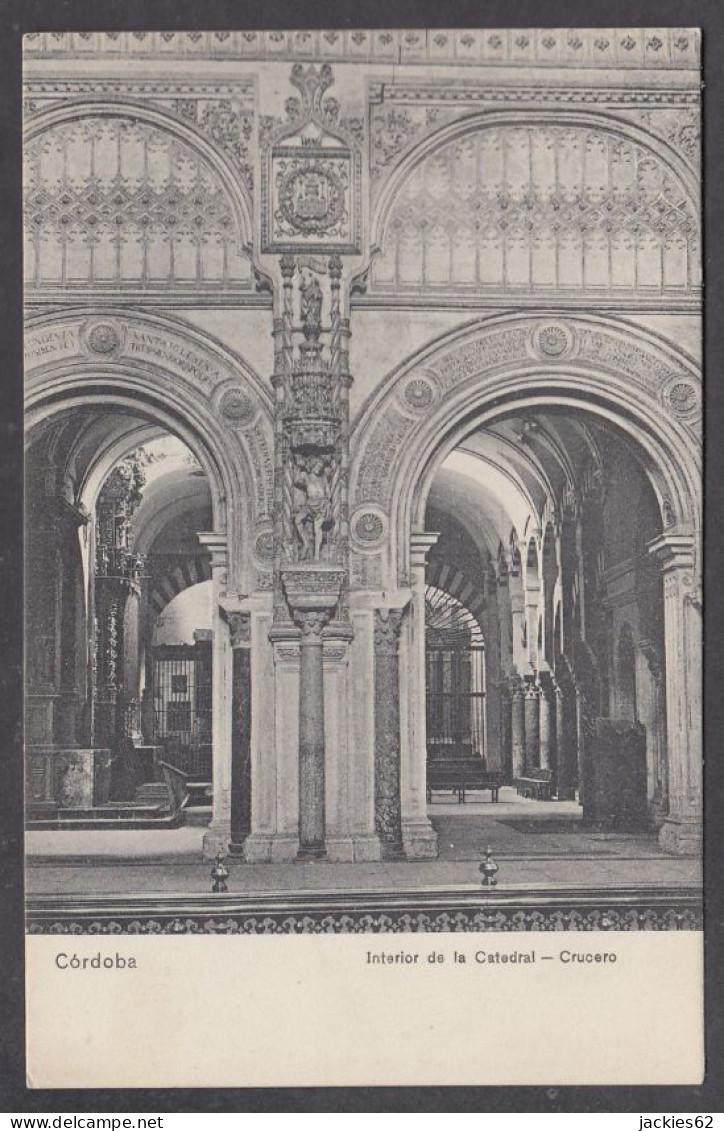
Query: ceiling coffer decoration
x=311, y=174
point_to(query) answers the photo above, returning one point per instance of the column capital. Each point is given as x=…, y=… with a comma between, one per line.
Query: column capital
x=312, y=623
x=388, y=623
x=674, y=551
x=421, y=542
x=217, y=545
x=239, y=628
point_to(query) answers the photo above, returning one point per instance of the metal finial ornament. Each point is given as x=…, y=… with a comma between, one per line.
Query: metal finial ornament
x=219, y=872
x=489, y=869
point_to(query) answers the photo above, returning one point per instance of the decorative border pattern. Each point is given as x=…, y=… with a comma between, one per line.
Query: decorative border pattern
x=668, y=48
x=310, y=913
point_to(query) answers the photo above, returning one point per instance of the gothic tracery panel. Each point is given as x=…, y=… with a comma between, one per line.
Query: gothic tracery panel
x=117, y=203
x=544, y=210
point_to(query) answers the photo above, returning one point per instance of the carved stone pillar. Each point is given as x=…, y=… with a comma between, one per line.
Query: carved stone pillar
x=388, y=819
x=682, y=829
x=563, y=783
x=311, y=733
x=240, y=636
x=660, y=797
x=532, y=726
x=506, y=737
x=546, y=721
x=418, y=836
x=517, y=726
x=218, y=836
x=313, y=593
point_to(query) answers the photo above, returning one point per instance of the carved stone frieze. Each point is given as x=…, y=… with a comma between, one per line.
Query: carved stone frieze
x=669, y=48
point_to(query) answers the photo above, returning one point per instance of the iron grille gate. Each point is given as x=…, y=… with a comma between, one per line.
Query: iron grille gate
x=455, y=679
x=182, y=706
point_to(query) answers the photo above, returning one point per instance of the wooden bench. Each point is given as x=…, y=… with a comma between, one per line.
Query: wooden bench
x=461, y=775
x=536, y=785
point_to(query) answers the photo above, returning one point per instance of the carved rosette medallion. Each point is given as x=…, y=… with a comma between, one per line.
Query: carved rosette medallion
x=552, y=341
x=264, y=546
x=236, y=406
x=419, y=395
x=102, y=338
x=368, y=528
x=683, y=399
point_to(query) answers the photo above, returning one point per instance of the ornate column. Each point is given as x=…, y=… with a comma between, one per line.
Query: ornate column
x=388, y=818
x=309, y=227
x=312, y=593
x=517, y=725
x=532, y=725
x=419, y=839
x=682, y=829
x=218, y=835
x=118, y=573
x=240, y=818
x=545, y=724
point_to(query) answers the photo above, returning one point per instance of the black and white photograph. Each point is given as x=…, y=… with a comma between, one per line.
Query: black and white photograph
x=363, y=489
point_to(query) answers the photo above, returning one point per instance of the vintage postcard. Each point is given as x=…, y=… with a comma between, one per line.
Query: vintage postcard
x=363, y=557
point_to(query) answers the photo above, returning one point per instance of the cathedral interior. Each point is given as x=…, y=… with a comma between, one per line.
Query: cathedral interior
x=363, y=500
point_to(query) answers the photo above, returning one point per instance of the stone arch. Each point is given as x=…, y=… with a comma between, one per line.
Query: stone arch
x=631, y=377
x=217, y=166
x=455, y=131
x=190, y=572
x=445, y=577
x=181, y=380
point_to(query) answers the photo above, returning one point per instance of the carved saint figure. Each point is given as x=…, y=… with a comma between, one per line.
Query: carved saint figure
x=311, y=302
x=313, y=516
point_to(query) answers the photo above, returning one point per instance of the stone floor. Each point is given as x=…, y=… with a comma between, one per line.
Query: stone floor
x=535, y=844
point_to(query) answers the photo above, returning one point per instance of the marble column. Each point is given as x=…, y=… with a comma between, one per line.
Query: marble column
x=545, y=725
x=388, y=821
x=240, y=819
x=517, y=727
x=418, y=836
x=532, y=726
x=682, y=829
x=506, y=738
x=312, y=822
x=312, y=590
x=218, y=835
x=564, y=785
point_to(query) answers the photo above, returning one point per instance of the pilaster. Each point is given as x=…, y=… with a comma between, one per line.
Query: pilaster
x=681, y=832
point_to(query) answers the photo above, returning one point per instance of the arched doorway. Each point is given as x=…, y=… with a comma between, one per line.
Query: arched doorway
x=547, y=411
x=103, y=385
x=455, y=680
